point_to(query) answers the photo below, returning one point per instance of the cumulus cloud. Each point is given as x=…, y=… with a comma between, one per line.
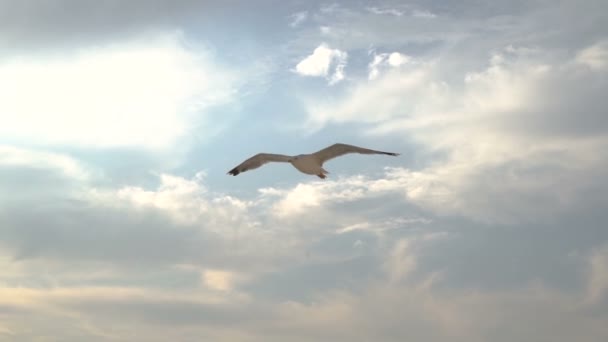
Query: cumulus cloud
x=507, y=123
x=324, y=62
x=384, y=60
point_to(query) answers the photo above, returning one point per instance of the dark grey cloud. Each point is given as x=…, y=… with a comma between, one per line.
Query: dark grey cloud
x=64, y=22
x=169, y=311
x=570, y=103
x=501, y=258
x=26, y=183
x=323, y=276
x=30, y=26
x=75, y=230
x=47, y=215
x=309, y=279
x=59, y=228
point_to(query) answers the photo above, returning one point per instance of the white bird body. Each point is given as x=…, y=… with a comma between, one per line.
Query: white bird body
x=308, y=164
x=311, y=164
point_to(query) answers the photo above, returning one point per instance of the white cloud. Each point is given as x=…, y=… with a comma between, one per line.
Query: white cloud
x=385, y=225
x=324, y=62
x=186, y=201
x=140, y=93
x=313, y=195
x=383, y=60
x=373, y=102
x=374, y=66
x=498, y=130
x=595, y=56
x=396, y=59
x=20, y=157
x=338, y=74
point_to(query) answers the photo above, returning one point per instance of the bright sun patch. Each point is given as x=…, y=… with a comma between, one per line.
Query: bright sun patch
x=140, y=94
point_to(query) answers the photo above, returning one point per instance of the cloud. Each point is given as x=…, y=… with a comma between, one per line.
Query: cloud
x=89, y=23
x=390, y=11
x=221, y=280
x=598, y=275
x=363, y=104
x=384, y=60
x=423, y=14
x=464, y=32
x=28, y=175
x=490, y=227
x=381, y=310
x=500, y=130
x=178, y=259
x=298, y=18
x=401, y=262
x=19, y=157
x=331, y=8
x=141, y=93
x=417, y=13
x=595, y=56
x=321, y=63
x=303, y=197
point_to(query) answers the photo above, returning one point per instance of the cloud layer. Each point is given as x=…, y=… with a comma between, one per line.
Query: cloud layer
x=117, y=221
x=176, y=237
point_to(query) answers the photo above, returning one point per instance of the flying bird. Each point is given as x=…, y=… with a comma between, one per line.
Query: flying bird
x=310, y=164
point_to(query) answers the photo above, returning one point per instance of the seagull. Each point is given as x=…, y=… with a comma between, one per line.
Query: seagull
x=310, y=164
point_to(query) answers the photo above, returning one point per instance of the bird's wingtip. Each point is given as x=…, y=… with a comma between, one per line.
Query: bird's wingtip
x=233, y=172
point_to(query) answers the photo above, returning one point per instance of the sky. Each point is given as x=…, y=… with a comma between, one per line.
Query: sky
x=120, y=119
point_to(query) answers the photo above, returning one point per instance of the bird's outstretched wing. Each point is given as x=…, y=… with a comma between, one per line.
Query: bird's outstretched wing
x=257, y=161
x=337, y=150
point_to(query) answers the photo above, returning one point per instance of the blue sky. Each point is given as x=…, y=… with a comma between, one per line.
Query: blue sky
x=119, y=121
